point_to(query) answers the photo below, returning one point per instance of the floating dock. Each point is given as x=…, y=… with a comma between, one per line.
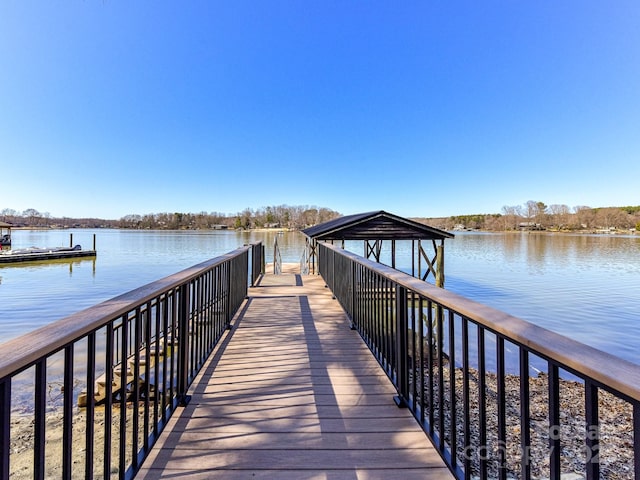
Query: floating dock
x=41, y=254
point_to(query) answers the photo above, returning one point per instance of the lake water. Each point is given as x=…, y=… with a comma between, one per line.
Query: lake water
x=583, y=286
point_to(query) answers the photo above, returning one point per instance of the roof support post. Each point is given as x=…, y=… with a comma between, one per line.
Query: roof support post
x=440, y=265
x=393, y=253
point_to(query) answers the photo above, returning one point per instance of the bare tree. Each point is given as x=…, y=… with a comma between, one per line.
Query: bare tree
x=531, y=210
x=560, y=215
x=584, y=216
x=32, y=215
x=511, y=216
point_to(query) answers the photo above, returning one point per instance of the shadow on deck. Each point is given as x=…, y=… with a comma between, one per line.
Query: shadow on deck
x=293, y=393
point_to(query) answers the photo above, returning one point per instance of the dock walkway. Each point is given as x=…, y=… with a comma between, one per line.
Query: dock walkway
x=292, y=393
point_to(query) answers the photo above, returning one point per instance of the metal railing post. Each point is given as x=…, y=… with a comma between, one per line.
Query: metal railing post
x=39, y=427
x=183, y=345
x=401, y=347
x=353, y=296
x=67, y=458
x=5, y=426
x=228, y=295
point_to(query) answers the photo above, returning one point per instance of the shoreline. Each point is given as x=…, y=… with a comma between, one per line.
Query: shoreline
x=595, y=231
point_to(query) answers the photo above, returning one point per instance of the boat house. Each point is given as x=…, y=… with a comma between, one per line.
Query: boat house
x=375, y=228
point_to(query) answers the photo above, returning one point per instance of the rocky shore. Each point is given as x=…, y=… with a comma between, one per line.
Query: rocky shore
x=615, y=452
x=22, y=437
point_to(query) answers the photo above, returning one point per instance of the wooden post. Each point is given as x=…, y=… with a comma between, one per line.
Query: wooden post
x=275, y=255
x=413, y=258
x=440, y=266
x=71, y=240
x=393, y=254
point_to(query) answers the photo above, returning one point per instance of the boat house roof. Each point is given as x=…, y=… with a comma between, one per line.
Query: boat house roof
x=5, y=225
x=378, y=225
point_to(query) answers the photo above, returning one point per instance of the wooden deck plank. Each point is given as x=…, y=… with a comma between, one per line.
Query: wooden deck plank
x=340, y=457
x=293, y=393
x=327, y=474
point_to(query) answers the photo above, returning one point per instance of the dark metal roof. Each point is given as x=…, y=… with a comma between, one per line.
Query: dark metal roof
x=379, y=225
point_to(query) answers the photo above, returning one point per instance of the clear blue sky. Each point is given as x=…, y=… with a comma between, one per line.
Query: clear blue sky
x=420, y=108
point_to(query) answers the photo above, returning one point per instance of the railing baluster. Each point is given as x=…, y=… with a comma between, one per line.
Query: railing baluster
x=414, y=354
x=168, y=336
x=440, y=351
x=353, y=294
x=122, y=444
x=430, y=369
x=377, y=320
x=592, y=439
x=392, y=331
x=525, y=416
x=453, y=438
x=483, y=448
x=90, y=408
x=160, y=343
x=67, y=416
x=502, y=411
x=135, y=415
x=421, y=337
x=466, y=443
x=636, y=440
x=183, y=344
x=554, y=422
x=149, y=359
x=108, y=402
x=401, y=347
x=5, y=426
x=175, y=346
x=40, y=408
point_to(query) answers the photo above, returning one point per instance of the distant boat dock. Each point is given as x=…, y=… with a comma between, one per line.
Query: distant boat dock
x=37, y=254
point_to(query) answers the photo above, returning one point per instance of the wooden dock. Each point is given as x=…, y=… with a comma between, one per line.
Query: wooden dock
x=43, y=255
x=292, y=393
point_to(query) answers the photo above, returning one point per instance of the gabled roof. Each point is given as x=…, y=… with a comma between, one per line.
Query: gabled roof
x=5, y=225
x=379, y=225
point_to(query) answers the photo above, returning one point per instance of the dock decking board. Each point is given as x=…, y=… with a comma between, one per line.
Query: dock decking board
x=293, y=393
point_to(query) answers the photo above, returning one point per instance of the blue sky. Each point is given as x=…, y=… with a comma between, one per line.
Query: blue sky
x=427, y=108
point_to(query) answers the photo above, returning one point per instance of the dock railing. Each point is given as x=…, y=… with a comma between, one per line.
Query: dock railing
x=88, y=396
x=499, y=396
x=257, y=261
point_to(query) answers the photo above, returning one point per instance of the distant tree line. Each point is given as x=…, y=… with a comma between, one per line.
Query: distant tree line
x=533, y=215
x=282, y=216
x=536, y=215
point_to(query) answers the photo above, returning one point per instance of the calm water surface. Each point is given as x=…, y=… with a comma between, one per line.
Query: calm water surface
x=586, y=287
